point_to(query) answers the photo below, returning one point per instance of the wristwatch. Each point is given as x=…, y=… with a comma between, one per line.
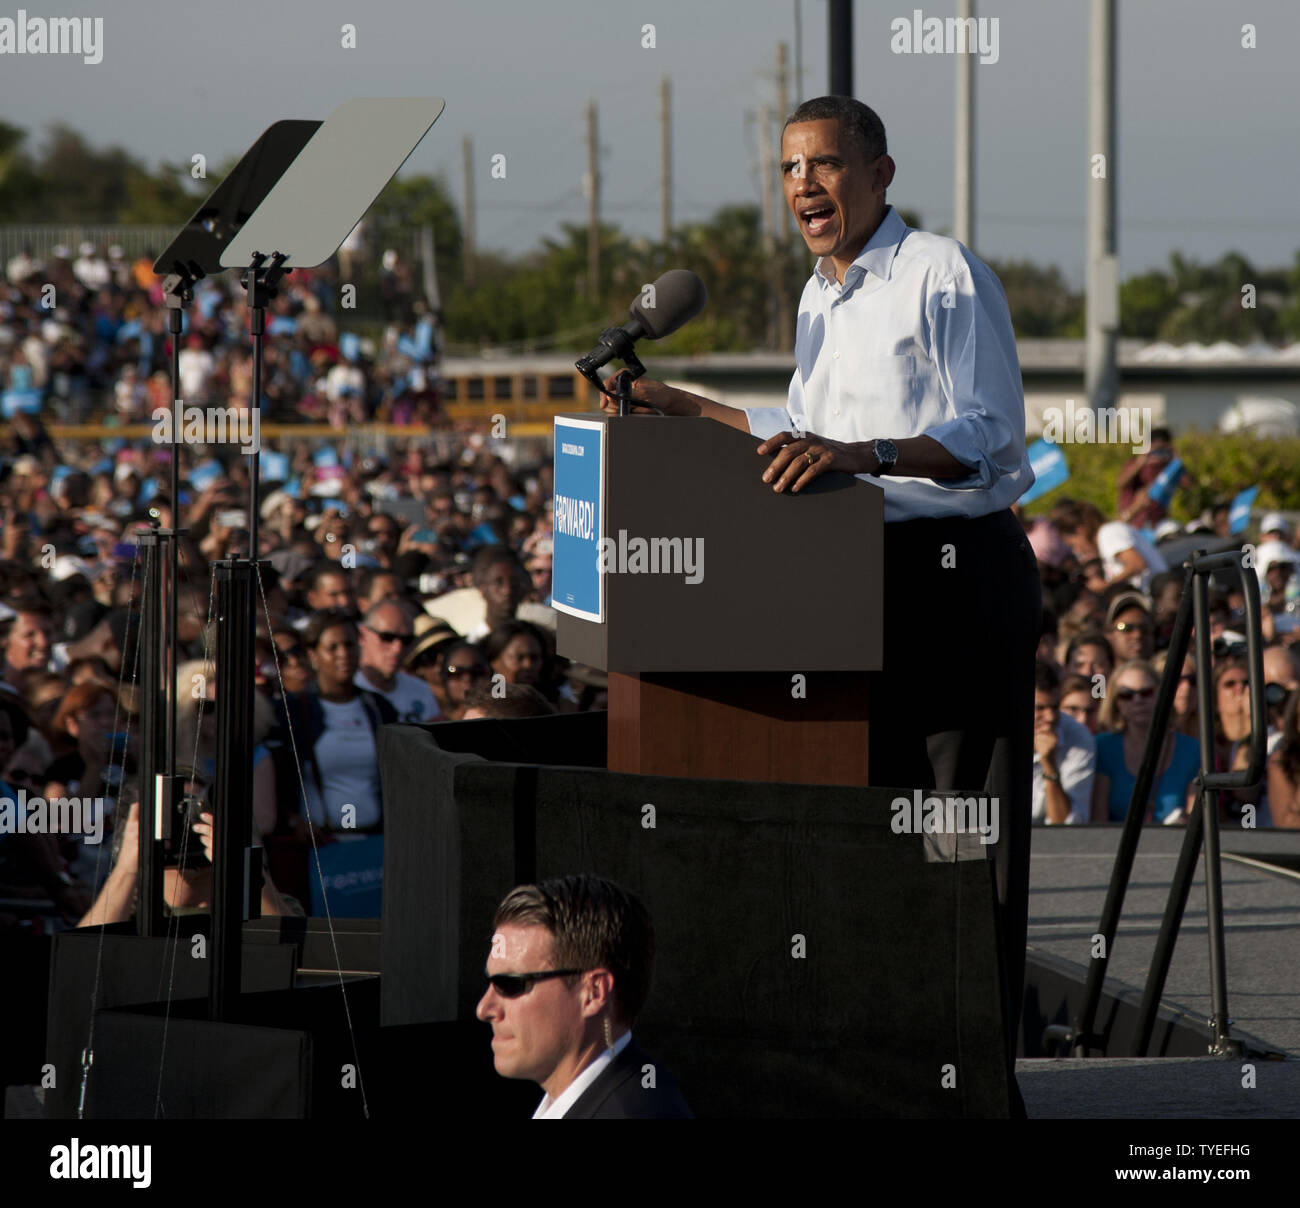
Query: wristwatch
x=886, y=455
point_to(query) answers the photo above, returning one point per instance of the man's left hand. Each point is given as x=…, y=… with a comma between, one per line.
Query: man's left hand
x=801, y=458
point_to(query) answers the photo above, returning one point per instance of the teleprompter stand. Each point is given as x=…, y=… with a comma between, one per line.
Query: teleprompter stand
x=299, y=191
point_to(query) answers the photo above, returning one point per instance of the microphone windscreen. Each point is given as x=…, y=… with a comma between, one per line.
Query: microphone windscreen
x=679, y=295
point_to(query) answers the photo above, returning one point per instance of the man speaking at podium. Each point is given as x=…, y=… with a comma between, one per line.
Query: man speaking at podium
x=908, y=376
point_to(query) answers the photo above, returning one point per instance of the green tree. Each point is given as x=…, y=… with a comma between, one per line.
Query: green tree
x=409, y=203
x=1145, y=302
x=1040, y=302
x=20, y=183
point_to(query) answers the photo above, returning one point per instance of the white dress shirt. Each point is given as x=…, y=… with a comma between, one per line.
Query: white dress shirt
x=1076, y=764
x=916, y=342
x=1114, y=538
x=554, y=1109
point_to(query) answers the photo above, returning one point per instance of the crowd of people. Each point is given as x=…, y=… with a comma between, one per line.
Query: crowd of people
x=86, y=334
x=409, y=587
x=411, y=582
x=406, y=581
x=1110, y=599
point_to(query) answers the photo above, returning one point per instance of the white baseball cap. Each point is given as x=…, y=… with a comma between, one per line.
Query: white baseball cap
x=67, y=565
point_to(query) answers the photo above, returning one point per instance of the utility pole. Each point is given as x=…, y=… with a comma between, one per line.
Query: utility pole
x=840, y=30
x=593, y=206
x=666, y=160
x=1102, y=378
x=467, y=152
x=771, y=267
x=963, y=218
x=798, y=52
x=783, y=101
x=785, y=233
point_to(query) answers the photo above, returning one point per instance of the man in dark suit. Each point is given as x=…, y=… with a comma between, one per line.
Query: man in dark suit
x=568, y=973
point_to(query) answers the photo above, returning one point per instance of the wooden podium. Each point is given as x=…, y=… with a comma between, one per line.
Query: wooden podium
x=757, y=671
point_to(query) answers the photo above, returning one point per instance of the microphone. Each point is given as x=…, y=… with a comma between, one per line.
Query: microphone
x=675, y=298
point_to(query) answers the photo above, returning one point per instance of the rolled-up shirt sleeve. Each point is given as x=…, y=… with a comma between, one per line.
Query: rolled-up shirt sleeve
x=768, y=421
x=1078, y=771
x=974, y=351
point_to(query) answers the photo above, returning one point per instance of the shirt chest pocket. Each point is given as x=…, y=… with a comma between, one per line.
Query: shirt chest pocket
x=883, y=386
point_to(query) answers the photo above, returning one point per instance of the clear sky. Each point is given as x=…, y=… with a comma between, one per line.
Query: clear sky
x=1209, y=143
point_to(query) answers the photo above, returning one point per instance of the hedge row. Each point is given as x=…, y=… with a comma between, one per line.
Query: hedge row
x=1220, y=466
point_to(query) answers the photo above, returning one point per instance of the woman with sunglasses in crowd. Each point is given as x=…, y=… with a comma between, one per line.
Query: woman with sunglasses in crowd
x=1126, y=721
x=434, y=640
x=464, y=667
x=1186, y=701
x=1232, y=739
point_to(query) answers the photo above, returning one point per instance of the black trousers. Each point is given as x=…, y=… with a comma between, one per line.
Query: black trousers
x=953, y=707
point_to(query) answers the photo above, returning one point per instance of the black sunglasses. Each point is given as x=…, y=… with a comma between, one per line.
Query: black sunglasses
x=477, y=670
x=1130, y=693
x=513, y=985
x=387, y=635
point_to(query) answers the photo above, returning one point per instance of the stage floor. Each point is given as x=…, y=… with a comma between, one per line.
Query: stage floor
x=1069, y=874
x=1157, y=1088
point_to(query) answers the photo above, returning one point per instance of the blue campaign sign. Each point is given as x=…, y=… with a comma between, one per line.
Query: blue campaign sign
x=1161, y=490
x=204, y=473
x=275, y=466
x=353, y=872
x=1048, y=463
x=1239, y=512
x=578, y=587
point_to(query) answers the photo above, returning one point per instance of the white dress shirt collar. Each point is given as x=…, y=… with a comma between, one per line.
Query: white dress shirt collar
x=877, y=257
x=554, y=1109
x=917, y=342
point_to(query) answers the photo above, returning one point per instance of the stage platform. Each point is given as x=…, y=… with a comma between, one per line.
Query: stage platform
x=1069, y=874
x=1157, y=1088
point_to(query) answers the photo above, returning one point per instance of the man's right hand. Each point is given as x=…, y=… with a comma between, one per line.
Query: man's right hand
x=671, y=401
x=668, y=399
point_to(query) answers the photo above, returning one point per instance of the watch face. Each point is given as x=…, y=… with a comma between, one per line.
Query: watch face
x=886, y=453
